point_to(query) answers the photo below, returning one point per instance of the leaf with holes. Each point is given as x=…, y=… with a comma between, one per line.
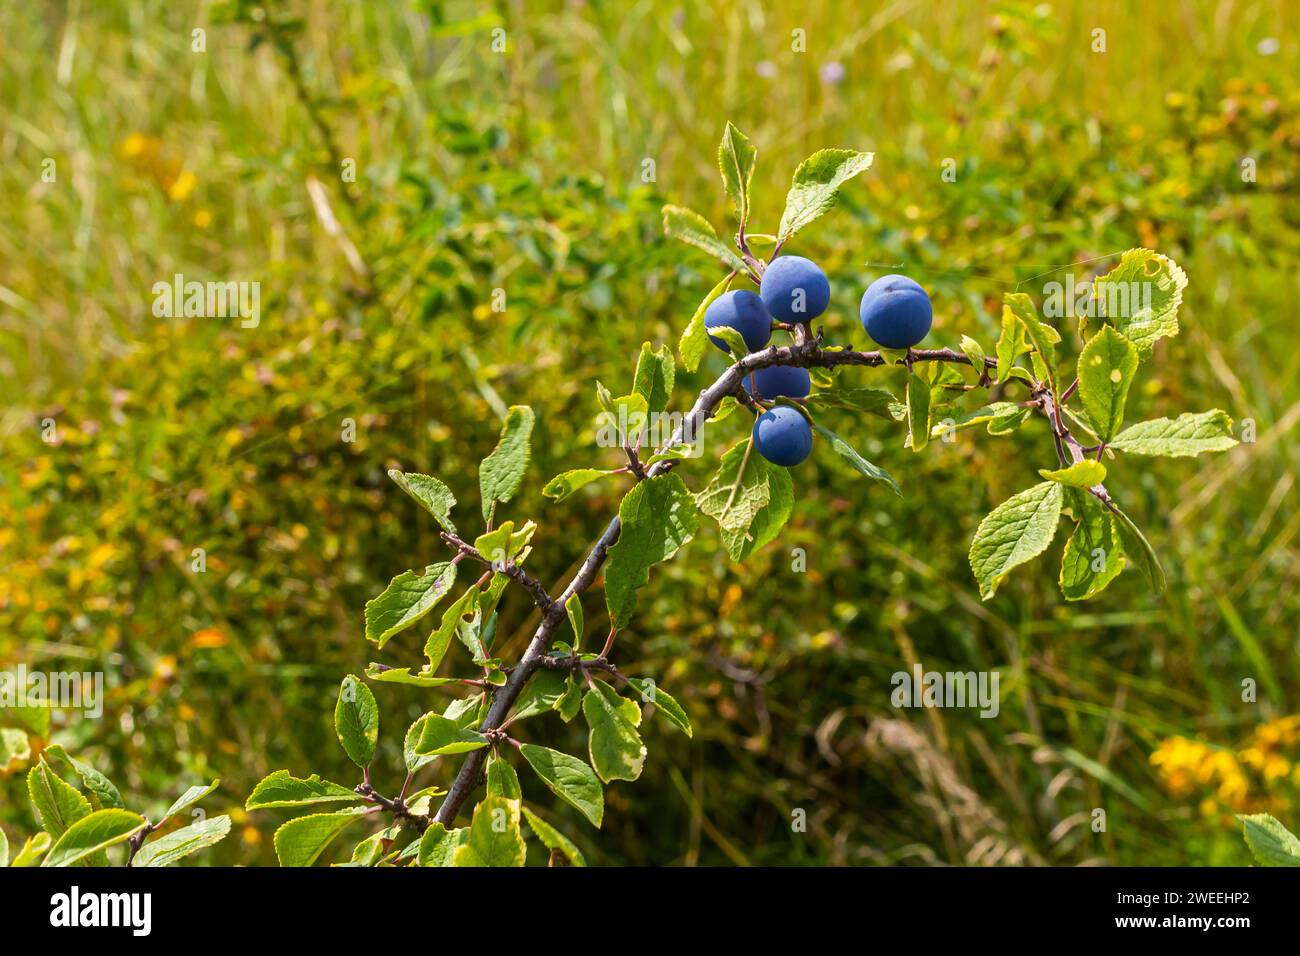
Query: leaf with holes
x=356, y=721
x=1106, y=369
x=1141, y=297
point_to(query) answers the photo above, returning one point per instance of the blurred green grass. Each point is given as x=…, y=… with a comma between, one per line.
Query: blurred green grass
x=522, y=171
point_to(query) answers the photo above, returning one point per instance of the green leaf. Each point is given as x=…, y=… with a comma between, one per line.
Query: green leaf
x=542, y=692
x=32, y=850
x=873, y=401
x=1271, y=843
x=769, y=520
x=370, y=850
x=501, y=472
x=494, y=835
x=166, y=850
x=571, y=702
x=413, y=760
x=301, y=841
x=736, y=162
x=918, y=412
x=894, y=356
x=860, y=464
x=466, y=711
x=737, y=490
x=1141, y=296
x=494, y=545
x=1042, y=336
x=356, y=721
x=31, y=717
x=1008, y=420
x=692, y=228
x=93, y=833
x=604, y=397
x=734, y=341
x=103, y=793
x=1139, y=549
x=1082, y=474
x=970, y=419
x=505, y=543
x=1094, y=555
x=617, y=752
x=573, y=608
x=187, y=799
x=657, y=517
x=725, y=409
x=489, y=598
x=502, y=781
x=432, y=494
x=57, y=803
x=408, y=597
x=1011, y=343
x=672, y=453
x=695, y=339
x=554, y=840
x=420, y=802
x=1080, y=417
x=15, y=748
x=568, y=778
x=439, y=736
x=402, y=675
x=815, y=186
x=975, y=352
x=438, y=844
x=282, y=789
x=470, y=633
x=626, y=420
x=4, y=849
x=1015, y=531
x=1106, y=369
x=1186, y=436
x=435, y=647
x=664, y=702
x=655, y=374
x=566, y=483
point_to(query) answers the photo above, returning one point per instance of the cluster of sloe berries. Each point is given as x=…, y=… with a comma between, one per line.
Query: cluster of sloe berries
x=895, y=312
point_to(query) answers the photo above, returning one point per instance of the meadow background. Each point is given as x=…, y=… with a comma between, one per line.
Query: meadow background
x=522, y=171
